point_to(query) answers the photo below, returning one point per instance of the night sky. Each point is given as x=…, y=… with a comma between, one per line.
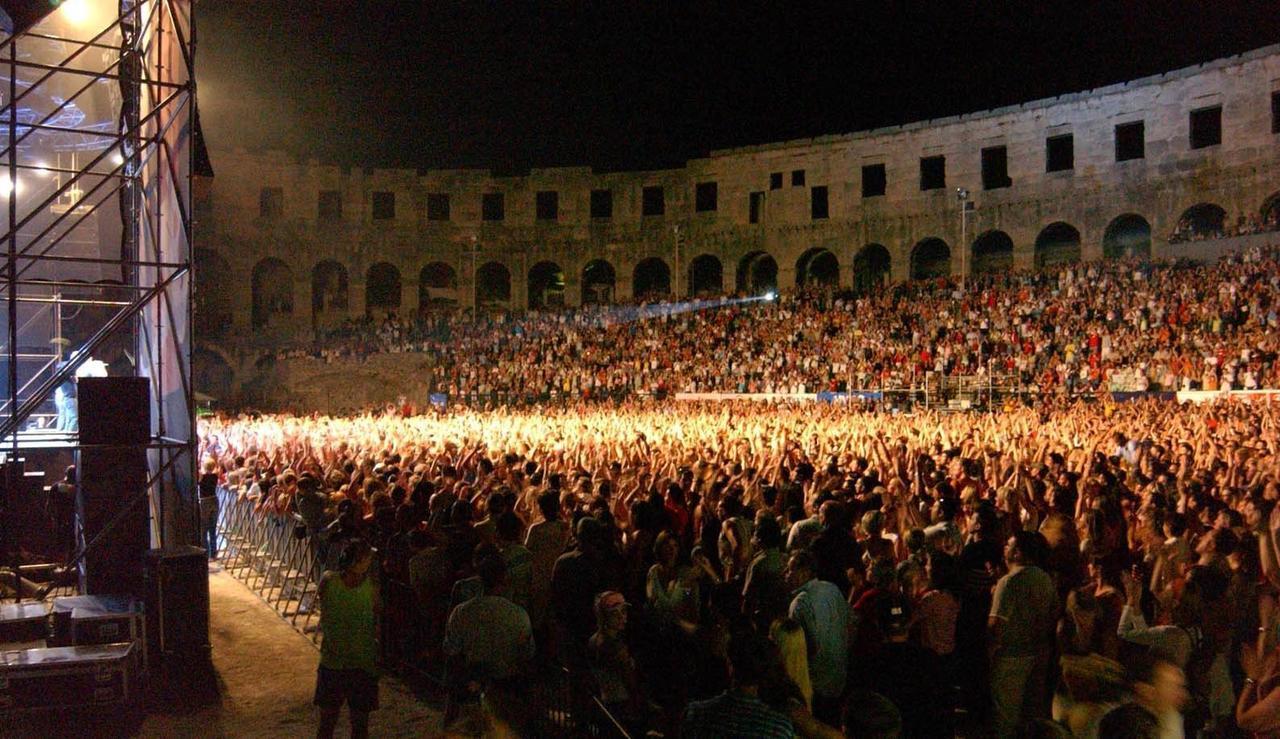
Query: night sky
x=636, y=85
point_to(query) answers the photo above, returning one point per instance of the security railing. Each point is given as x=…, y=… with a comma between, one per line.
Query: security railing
x=261, y=550
x=274, y=557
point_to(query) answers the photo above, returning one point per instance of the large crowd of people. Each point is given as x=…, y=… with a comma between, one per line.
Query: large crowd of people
x=1087, y=328
x=1068, y=568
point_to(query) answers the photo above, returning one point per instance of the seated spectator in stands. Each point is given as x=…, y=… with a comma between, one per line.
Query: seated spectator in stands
x=488, y=639
x=739, y=711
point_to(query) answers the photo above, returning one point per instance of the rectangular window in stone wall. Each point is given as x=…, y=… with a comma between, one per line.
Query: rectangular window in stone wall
x=797, y=178
x=1060, y=153
x=492, y=206
x=1206, y=127
x=818, y=202
x=330, y=205
x=653, y=201
x=704, y=197
x=933, y=173
x=384, y=206
x=1131, y=141
x=602, y=203
x=995, y=168
x=547, y=205
x=437, y=206
x=775, y=180
x=271, y=202
x=873, y=180
x=755, y=206
x=1275, y=112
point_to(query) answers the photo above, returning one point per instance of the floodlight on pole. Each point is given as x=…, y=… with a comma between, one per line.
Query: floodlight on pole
x=962, y=196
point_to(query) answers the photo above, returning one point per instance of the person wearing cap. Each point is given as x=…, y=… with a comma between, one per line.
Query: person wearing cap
x=611, y=663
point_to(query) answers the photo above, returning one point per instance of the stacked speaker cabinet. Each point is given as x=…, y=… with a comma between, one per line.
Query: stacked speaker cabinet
x=115, y=425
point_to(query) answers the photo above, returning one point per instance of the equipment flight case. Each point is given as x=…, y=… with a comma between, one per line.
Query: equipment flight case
x=66, y=677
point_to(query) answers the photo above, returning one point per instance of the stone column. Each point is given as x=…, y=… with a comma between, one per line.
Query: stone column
x=409, y=298
x=355, y=301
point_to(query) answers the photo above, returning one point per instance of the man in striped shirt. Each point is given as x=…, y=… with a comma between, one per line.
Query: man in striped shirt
x=738, y=712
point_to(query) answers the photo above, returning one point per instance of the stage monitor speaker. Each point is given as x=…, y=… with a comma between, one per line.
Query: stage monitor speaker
x=114, y=413
x=114, y=410
x=178, y=603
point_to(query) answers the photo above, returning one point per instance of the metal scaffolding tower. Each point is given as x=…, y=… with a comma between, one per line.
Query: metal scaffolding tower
x=95, y=169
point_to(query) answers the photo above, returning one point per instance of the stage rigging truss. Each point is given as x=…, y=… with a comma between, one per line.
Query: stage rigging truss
x=95, y=170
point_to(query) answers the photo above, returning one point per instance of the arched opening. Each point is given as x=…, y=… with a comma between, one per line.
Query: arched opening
x=930, y=259
x=546, y=286
x=382, y=289
x=598, y=281
x=211, y=375
x=493, y=284
x=1199, y=222
x=818, y=266
x=329, y=291
x=1271, y=213
x=210, y=300
x=651, y=279
x=272, y=290
x=757, y=274
x=706, y=276
x=1057, y=244
x=992, y=252
x=871, y=268
x=437, y=287
x=1127, y=236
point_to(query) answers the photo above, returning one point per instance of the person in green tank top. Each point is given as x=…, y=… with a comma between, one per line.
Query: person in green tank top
x=348, y=671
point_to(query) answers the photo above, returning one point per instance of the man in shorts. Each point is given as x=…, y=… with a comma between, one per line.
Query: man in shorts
x=348, y=670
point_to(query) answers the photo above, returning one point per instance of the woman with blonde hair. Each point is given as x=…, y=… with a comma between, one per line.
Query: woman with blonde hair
x=789, y=636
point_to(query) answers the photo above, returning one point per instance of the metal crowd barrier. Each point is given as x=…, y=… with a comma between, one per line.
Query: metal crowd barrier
x=261, y=550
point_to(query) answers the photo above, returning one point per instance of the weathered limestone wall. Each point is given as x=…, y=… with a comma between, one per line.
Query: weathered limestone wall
x=237, y=237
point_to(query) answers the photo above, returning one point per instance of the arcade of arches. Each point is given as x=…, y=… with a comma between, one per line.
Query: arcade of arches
x=439, y=286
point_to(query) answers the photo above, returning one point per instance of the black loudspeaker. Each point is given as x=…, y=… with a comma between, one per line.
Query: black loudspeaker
x=114, y=413
x=114, y=410
x=177, y=603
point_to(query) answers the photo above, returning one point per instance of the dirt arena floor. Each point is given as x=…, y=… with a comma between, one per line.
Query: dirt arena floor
x=264, y=673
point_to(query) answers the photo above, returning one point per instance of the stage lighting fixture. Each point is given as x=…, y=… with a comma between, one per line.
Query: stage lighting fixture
x=769, y=296
x=77, y=11
x=117, y=159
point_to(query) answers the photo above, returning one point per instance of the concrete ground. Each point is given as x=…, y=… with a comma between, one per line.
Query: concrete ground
x=265, y=672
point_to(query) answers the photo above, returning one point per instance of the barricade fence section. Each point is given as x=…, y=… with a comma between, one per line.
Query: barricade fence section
x=274, y=556
x=262, y=550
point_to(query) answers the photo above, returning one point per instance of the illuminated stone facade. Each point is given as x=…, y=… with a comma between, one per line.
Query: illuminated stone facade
x=285, y=246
